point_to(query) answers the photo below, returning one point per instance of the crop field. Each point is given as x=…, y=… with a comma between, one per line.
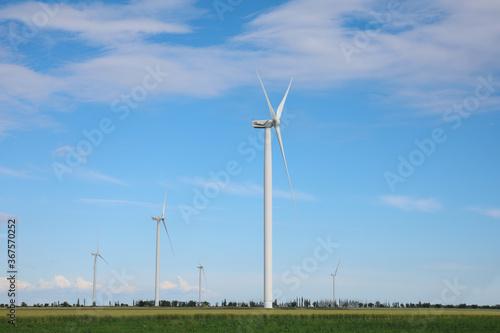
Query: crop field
x=138, y=319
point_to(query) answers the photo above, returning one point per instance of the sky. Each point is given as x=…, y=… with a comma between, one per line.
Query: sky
x=390, y=131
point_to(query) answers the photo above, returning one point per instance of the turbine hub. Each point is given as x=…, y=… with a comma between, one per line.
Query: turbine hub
x=276, y=123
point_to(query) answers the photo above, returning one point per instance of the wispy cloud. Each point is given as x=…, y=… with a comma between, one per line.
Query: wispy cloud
x=97, y=176
x=491, y=212
x=5, y=217
x=14, y=173
x=114, y=202
x=455, y=267
x=63, y=151
x=411, y=204
x=245, y=189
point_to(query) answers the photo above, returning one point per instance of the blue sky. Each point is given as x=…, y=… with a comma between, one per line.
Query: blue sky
x=390, y=132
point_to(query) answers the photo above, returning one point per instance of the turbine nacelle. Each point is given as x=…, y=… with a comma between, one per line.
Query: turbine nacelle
x=266, y=123
x=162, y=218
x=262, y=123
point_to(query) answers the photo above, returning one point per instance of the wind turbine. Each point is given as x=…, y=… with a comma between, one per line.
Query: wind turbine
x=334, y=276
x=158, y=219
x=268, y=190
x=97, y=254
x=201, y=268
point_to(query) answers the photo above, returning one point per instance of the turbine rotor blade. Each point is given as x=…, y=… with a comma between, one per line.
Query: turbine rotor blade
x=164, y=201
x=206, y=283
x=204, y=261
x=279, y=111
x=168, y=237
x=278, y=134
x=337, y=268
x=273, y=116
x=104, y=259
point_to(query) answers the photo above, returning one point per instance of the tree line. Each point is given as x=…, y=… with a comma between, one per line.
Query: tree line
x=299, y=302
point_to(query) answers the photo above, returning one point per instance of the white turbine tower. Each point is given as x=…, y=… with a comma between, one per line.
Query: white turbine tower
x=268, y=190
x=97, y=254
x=334, y=276
x=201, y=268
x=159, y=219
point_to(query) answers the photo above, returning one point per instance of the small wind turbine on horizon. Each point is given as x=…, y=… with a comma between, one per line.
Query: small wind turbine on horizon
x=159, y=219
x=96, y=254
x=201, y=268
x=334, y=276
x=268, y=190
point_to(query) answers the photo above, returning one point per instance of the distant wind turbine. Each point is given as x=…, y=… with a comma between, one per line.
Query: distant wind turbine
x=268, y=190
x=159, y=219
x=334, y=276
x=201, y=268
x=97, y=254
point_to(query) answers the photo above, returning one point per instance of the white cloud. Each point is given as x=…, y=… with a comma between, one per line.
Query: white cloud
x=491, y=212
x=22, y=93
x=20, y=285
x=182, y=286
x=128, y=289
x=411, y=204
x=58, y=281
x=102, y=22
x=81, y=284
x=417, y=52
x=166, y=285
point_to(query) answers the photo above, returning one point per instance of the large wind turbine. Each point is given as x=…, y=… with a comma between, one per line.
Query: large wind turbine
x=201, y=268
x=97, y=254
x=159, y=219
x=268, y=190
x=334, y=276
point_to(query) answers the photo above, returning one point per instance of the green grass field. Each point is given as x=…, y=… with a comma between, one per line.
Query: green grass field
x=134, y=319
